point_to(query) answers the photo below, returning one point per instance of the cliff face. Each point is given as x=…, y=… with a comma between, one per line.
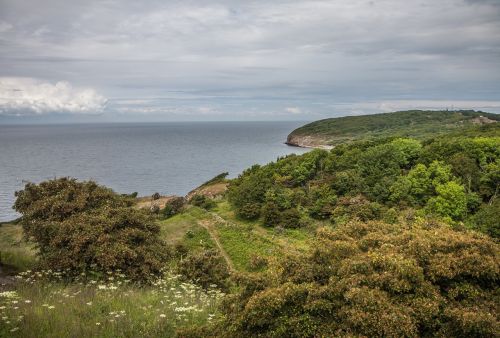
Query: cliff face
x=307, y=141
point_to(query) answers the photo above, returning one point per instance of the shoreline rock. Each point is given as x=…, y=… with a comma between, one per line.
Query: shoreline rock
x=307, y=141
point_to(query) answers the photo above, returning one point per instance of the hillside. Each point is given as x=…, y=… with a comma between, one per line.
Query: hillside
x=393, y=237
x=414, y=123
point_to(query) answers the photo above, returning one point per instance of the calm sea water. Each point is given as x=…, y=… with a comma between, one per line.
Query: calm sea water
x=169, y=158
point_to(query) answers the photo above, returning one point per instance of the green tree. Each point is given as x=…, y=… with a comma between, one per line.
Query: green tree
x=451, y=201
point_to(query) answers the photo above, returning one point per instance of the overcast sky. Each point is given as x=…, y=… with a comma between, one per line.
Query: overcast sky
x=245, y=60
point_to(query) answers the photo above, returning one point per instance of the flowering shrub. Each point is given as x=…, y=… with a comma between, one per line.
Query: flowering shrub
x=206, y=268
x=372, y=280
x=84, y=226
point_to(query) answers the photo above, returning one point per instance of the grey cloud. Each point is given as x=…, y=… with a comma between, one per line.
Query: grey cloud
x=218, y=52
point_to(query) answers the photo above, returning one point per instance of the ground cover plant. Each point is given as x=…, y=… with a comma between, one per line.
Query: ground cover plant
x=44, y=305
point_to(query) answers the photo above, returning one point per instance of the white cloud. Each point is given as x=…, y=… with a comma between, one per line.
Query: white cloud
x=293, y=110
x=28, y=96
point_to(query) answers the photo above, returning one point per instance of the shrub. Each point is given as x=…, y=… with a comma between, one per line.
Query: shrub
x=257, y=262
x=173, y=206
x=249, y=211
x=202, y=201
x=82, y=226
x=273, y=216
x=290, y=218
x=205, y=268
x=155, y=209
x=486, y=219
x=371, y=280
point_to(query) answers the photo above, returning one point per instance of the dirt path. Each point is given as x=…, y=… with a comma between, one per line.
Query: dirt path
x=209, y=226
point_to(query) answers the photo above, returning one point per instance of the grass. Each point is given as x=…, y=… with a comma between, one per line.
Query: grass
x=244, y=239
x=47, y=308
x=184, y=229
x=15, y=252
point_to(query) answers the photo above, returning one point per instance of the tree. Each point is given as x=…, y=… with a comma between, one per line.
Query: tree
x=451, y=201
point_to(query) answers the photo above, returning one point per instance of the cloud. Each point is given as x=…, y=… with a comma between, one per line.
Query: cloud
x=27, y=96
x=293, y=110
x=172, y=57
x=5, y=26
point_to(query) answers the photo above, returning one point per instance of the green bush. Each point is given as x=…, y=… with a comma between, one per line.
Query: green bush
x=487, y=219
x=173, y=207
x=202, y=201
x=373, y=280
x=274, y=217
x=205, y=268
x=80, y=226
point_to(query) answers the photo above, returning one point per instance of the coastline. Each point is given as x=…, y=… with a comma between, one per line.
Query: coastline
x=307, y=141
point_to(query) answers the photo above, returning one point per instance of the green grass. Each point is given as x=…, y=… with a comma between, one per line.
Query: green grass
x=241, y=244
x=15, y=252
x=184, y=229
x=112, y=309
x=243, y=239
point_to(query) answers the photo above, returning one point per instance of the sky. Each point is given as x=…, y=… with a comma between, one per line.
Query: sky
x=63, y=61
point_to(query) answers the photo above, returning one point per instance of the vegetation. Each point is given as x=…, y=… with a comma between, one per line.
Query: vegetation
x=452, y=178
x=415, y=123
x=81, y=226
x=383, y=236
x=206, y=268
x=43, y=305
x=371, y=280
x=173, y=206
x=217, y=179
x=202, y=201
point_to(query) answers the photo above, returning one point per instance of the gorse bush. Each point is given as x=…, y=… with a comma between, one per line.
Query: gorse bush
x=82, y=226
x=372, y=280
x=206, y=268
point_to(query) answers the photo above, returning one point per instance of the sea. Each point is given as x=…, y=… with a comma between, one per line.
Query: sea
x=170, y=158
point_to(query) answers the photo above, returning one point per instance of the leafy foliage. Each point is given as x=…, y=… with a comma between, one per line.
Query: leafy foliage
x=82, y=226
x=450, y=177
x=202, y=201
x=173, y=206
x=205, y=268
x=373, y=279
